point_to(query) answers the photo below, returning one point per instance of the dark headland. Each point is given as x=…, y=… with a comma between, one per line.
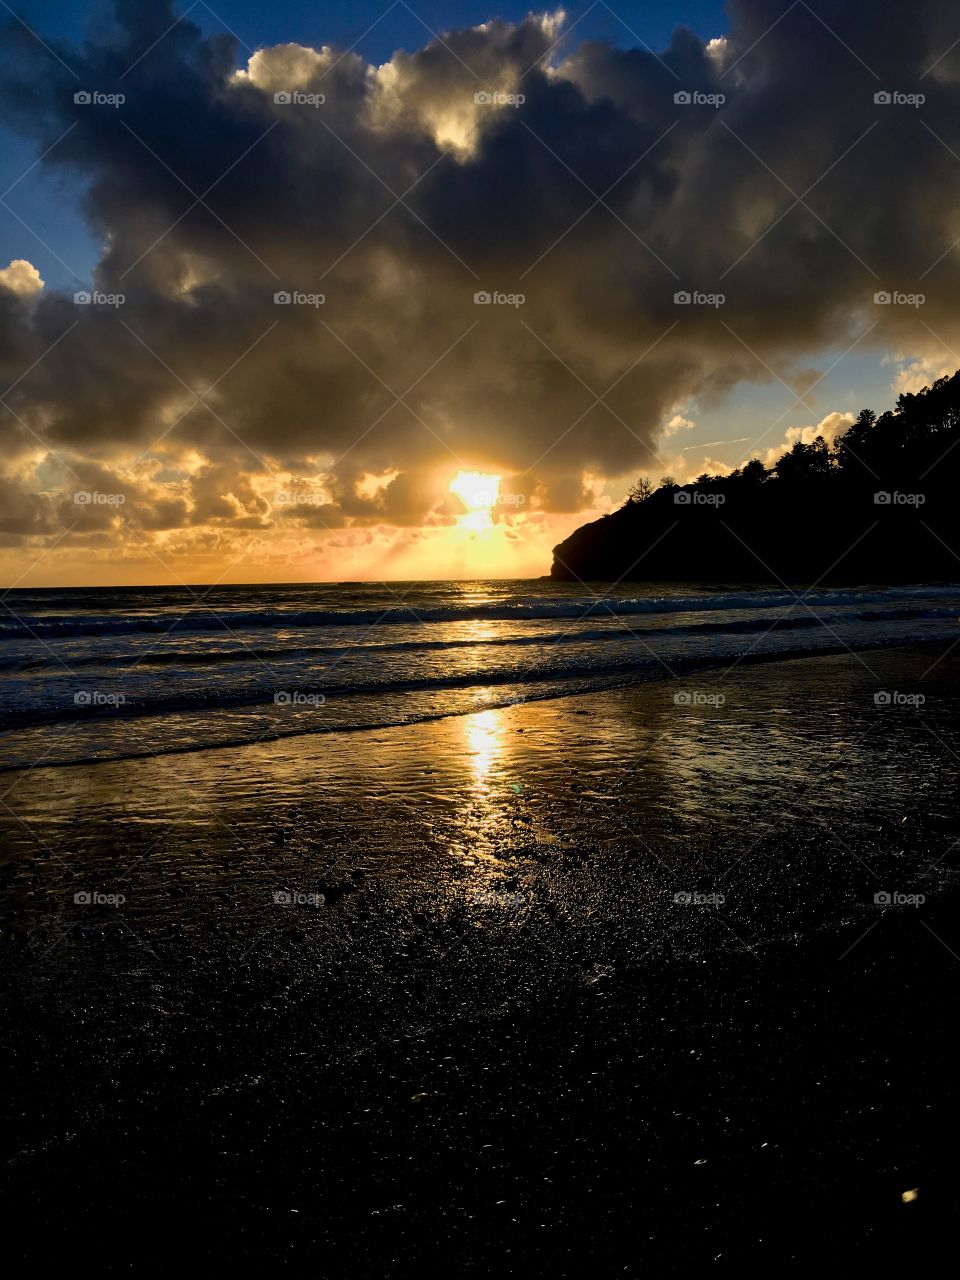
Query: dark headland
x=872, y=506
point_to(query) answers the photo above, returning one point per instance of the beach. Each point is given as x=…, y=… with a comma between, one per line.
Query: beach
x=600, y=980
x=479, y=647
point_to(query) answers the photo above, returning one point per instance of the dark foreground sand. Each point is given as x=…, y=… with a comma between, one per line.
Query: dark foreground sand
x=484, y=1037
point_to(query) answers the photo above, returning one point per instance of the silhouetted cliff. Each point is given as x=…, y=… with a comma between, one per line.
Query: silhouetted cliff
x=880, y=505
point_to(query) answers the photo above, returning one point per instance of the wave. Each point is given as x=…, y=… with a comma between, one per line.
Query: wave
x=223, y=699
x=586, y=682
x=221, y=695
x=210, y=620
x=253, y=652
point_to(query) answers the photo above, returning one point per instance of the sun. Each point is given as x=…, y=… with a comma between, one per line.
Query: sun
x=478, y=493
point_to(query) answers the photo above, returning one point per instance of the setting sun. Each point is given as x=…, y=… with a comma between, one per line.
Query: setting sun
x=478, y=493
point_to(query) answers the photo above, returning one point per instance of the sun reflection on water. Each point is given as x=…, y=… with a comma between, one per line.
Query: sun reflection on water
x=484, y=737
x=483, y=818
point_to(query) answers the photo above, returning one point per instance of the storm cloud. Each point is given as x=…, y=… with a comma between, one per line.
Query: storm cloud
x=781, y=178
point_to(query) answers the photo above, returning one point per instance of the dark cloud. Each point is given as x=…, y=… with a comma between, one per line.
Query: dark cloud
x=211, y=197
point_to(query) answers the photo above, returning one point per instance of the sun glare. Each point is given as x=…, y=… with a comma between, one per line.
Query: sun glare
x=478, y=493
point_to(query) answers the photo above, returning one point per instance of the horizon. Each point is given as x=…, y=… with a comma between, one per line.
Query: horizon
x=476, y=521
x=479, y=495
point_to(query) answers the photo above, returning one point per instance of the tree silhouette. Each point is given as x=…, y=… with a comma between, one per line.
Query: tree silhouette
x=804, y=462
x=641, y=490
x=880, y=505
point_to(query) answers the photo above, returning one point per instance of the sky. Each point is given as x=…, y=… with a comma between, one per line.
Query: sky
x=374, y=29
x=191, y=424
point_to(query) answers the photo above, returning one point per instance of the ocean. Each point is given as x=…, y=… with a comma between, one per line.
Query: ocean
x=114, y=673
x=568, y=974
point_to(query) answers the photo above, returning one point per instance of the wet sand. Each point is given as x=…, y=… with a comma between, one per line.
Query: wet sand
x=595, y=983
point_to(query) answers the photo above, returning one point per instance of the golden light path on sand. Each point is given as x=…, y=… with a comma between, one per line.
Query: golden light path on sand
x=484, y=737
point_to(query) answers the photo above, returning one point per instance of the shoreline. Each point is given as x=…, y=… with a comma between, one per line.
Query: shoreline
x=500, y=1044
x=599, y=685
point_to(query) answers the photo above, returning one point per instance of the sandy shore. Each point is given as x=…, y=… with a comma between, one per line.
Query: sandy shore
x=595, y=982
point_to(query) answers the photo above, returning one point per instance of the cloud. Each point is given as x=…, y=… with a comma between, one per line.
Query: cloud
x=401, y=196
x=919, y=371
x=678, y=423
x=21, y=277
x=832, y=425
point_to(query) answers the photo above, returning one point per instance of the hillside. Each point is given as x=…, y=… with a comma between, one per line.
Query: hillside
x=879, y=505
